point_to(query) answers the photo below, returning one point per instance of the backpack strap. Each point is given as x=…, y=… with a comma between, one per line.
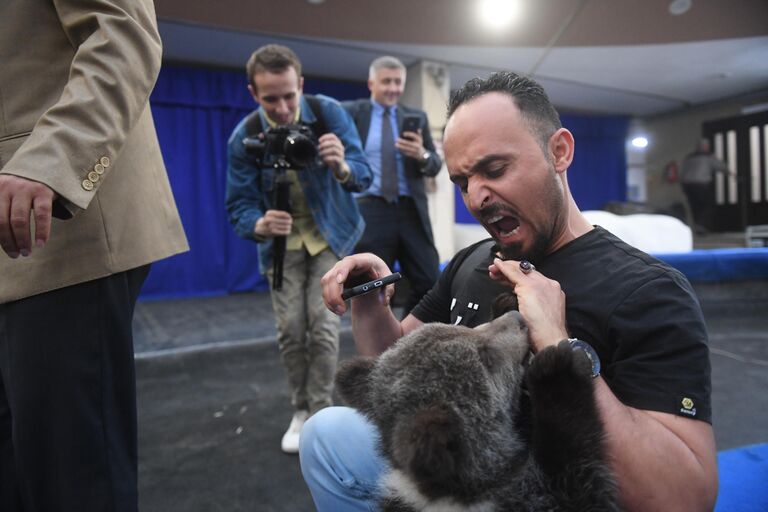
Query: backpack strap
x=318, y=127
x=253, y=124
x=472, y=260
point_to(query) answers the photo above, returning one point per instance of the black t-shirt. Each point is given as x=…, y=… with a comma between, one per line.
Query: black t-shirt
x=641, y=316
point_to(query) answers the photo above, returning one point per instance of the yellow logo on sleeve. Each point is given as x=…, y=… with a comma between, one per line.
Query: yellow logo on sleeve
x=688, y=407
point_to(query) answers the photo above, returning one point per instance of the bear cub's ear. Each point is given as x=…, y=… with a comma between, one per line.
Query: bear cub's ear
x=353, y=381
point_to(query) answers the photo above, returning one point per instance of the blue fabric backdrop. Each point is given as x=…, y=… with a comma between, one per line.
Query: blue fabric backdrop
x=598, y=172
x=195, y=111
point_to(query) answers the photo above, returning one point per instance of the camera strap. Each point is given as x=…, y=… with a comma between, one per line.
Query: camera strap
x=253, y=125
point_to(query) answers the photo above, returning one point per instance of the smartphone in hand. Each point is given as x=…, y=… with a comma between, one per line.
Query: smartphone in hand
x=411, y=123
x=349, y=293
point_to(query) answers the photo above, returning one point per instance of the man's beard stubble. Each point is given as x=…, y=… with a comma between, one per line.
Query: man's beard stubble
x=515, y=251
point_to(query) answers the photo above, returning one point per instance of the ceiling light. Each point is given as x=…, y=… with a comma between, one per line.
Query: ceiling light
x=640, y=142
x=678, y=7
x=499, y=14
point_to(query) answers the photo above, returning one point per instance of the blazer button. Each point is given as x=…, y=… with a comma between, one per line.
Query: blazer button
x=105, y=161
x=99, y=169
x=88, y=185
x=93, y=176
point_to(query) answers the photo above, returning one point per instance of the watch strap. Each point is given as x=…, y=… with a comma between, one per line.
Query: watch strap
x=425, y=158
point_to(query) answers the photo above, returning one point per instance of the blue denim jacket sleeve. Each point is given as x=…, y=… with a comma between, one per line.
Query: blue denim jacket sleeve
x=340, y=123
x=244, y=198
x=333, y=206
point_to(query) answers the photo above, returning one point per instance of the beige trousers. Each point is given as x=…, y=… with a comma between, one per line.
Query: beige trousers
x=307, y=333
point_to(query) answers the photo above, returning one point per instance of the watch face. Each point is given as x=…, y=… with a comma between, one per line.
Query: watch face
x=594, y=359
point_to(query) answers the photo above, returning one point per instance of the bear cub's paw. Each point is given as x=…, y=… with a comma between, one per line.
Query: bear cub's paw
x=561, y=363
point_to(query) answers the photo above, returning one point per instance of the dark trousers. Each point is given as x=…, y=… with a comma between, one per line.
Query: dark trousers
x=68, y=398
x=701, y=199
x=393, y=232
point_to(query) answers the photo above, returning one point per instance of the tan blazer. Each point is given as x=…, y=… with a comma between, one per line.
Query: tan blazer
x=75, y=81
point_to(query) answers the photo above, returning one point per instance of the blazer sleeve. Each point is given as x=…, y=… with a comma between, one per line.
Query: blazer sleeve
x=117, y=54
x=434, y=163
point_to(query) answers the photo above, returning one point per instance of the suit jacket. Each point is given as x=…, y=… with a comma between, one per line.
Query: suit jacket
x=360, y=110
x=74, y=115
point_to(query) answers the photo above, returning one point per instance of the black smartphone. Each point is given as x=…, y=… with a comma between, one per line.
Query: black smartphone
x=348, y=293
x=411, y=123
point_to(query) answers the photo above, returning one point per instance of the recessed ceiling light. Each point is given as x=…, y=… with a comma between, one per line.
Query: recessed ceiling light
x=499, y=14
x=640, y=142
x=678, y=7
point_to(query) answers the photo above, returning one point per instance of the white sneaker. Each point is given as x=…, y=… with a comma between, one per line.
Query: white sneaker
x=290, y=442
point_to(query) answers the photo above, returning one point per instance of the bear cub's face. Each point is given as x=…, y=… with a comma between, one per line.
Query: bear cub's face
x=446, y=400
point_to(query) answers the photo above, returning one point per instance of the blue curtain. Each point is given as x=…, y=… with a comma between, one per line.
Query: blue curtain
x=195, y=111
x=598, y=172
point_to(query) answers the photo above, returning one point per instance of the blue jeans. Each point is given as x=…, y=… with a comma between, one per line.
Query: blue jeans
x=340, y=462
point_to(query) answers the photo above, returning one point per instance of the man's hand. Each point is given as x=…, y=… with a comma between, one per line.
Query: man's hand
x=18, y=198
x=411, y=144
x=274, y=223
x=366, y=264
x=331, y=151
x=541, y=301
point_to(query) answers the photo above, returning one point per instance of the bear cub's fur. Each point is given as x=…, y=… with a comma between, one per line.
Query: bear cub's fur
x=467, y=425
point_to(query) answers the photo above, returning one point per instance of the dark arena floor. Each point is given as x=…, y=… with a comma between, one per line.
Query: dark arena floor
x=213, y=403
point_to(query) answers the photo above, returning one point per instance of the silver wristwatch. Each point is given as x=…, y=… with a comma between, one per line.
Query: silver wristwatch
x=594, y=359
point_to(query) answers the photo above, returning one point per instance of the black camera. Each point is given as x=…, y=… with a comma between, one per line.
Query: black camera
x=293, y=146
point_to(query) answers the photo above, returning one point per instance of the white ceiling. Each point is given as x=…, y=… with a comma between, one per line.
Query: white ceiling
x=641, y=78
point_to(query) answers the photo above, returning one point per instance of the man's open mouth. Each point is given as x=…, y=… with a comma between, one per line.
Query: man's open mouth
x=504, y=225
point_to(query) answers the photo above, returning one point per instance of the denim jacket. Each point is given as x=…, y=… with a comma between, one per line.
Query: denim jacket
x=250, y=189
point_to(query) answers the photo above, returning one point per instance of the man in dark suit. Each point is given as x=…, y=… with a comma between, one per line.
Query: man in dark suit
x=395, y=206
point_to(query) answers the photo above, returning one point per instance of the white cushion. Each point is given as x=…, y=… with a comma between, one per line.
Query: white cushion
x=649, y=232
x=465, y=235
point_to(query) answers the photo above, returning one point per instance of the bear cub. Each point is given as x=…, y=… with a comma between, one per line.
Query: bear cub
x=469, y=422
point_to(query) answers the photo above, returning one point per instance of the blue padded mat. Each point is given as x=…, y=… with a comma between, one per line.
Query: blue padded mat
x=711, y=265
x=743, y=479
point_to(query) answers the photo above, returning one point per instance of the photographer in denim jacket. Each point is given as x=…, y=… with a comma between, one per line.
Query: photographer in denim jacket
x=321, y=226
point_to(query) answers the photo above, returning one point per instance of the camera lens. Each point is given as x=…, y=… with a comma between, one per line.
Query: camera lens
x=300, y=150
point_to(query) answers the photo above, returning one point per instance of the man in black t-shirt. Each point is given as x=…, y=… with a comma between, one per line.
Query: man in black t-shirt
x=508, y=153
x=610, y=304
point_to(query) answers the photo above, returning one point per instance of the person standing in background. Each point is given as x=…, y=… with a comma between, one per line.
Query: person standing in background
x=697, y=177
x=85, y=207
x=395, y=207
x=323, y=223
